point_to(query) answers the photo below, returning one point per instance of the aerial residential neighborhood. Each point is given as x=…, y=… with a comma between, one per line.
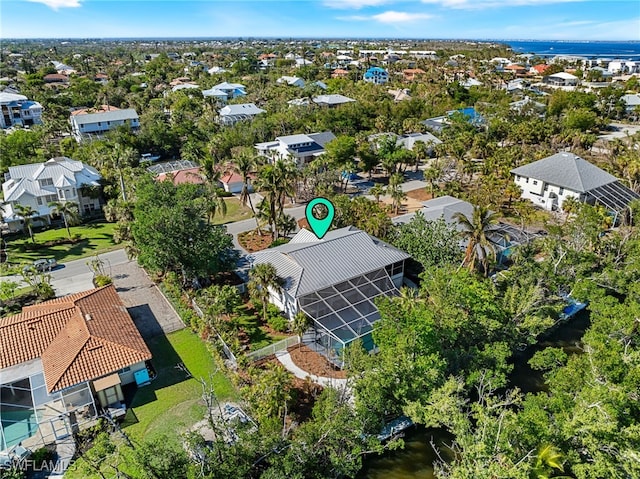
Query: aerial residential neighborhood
x=266, y=257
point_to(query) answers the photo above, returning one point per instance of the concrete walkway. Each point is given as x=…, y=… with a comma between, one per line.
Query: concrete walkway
x=285, y=358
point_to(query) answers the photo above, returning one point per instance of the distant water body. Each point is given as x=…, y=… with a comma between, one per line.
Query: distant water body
x=620, y=50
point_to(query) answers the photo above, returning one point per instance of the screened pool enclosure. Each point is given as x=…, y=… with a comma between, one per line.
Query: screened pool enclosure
x=28, y=414
x=346, y=311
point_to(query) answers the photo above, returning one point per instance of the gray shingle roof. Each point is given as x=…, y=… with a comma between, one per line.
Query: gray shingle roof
x=114, y=115
x=567, y=171
x=346, y=253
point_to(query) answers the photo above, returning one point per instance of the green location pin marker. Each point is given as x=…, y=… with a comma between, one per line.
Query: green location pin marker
x=319, y=214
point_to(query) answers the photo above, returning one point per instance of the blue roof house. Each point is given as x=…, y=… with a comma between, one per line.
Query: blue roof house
x=376, y=75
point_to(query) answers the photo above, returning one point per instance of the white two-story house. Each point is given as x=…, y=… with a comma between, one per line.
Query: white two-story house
x=18, y=110
x=87, y=125
x=550, y=181
x=300, y=148
x=38, y=184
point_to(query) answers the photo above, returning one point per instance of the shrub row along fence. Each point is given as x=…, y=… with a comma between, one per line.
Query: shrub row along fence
x=225, y=347
x=273, y=348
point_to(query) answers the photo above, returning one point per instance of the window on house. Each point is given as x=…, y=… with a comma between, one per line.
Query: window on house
x=526, y=180
x=61, y=194
x=546, y=187
x=517, y=177
x=39, y=200
x=124, y=370
x=46, y=182
x=561, y=192
x=535, y=182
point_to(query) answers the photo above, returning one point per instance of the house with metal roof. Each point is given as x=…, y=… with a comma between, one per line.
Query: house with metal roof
x=332, y=100
x=63, y=362
x=59, y=179
x=232, y=114
x=17, y=110
x=561, y=79
x=376, y=75
x=549, y=182
x=300, y=148
x=291, y=81
x=408, y=140
x=232, y=90
x=89, y=125
x=334, y=281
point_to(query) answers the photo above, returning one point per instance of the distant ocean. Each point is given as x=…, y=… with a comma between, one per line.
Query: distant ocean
x=621, y=50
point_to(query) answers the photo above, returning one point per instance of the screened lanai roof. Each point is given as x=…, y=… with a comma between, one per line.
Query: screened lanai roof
x=346, y=310
x=614, y=196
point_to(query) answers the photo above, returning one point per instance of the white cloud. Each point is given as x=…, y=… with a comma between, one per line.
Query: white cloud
x=354, y=4
x=57, y=4
x=481, y=4
x=390, y=17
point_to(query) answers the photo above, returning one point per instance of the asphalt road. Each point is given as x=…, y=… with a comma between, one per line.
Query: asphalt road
x=75, y=276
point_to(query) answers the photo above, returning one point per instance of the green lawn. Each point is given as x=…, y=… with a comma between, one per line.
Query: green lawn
x=236, y=211
x=173, y=402
x=259, y=336
x=96, y=238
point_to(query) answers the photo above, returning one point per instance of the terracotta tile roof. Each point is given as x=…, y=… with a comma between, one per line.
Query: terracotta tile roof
x=541, y=68
x=79, y=337
x=188, y=175
x=231, y=178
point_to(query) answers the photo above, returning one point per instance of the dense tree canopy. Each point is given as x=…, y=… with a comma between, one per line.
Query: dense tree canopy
x=171, y=234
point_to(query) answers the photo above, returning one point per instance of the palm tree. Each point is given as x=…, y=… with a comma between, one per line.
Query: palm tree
x=395, y=191
x=263, y=277
x=27, y=213
x=478, y=230
x=244, y=164
x=122, y=157
x=214, y=203
x=548, y=459
x=68, y=211
x=377, y=191
x=301, y=322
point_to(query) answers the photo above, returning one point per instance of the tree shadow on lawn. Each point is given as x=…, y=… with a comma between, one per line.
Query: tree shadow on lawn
x=249, y=320
x=164, y=361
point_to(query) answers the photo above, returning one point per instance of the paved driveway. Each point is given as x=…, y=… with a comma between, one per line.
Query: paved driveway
x=150, y=310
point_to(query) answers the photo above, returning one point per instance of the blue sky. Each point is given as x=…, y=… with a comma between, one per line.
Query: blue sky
x=478, y=19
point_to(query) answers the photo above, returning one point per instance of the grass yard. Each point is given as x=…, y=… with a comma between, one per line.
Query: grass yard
x=258, y=334
x=172, y=402
x=96, y=238
x=236, y=211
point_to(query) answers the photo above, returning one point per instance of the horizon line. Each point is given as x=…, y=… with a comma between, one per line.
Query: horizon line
x=284, y=37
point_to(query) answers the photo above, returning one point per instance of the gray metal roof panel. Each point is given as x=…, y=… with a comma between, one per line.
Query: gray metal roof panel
x=567, y=171
x=114, y=115
x=322, y=138
x=345, y=254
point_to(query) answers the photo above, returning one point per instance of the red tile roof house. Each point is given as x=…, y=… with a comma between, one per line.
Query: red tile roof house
x=64, y=360
x=232, y=182
x=188, y=175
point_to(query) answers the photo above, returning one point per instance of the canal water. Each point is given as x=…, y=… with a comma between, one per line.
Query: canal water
x=415, y=461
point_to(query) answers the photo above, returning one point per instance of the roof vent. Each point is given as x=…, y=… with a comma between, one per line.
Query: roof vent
x=87, y=317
